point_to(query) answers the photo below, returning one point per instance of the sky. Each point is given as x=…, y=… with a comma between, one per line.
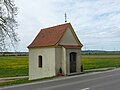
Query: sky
x=96, y=22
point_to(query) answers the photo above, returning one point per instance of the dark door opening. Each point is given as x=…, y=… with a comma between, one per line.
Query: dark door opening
x=72, y=62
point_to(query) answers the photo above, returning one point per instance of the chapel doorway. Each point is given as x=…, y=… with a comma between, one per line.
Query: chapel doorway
x=72, y=62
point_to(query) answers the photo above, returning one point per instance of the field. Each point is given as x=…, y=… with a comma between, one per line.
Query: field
x=13, y=66
x=100, y=61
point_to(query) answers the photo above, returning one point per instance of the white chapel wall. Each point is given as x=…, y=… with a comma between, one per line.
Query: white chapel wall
x=58, y=59
x=48, y=60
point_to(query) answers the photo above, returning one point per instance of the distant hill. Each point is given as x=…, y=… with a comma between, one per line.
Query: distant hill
x=13, y=53
x=100, y=52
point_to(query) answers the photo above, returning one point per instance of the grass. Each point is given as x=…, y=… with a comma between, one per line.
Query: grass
x=100, y=62
x=14, y=82
x=18, y=66
x=23, y=81
x=13, y=66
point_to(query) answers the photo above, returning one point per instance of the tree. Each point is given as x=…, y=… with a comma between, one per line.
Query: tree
x=8, y=24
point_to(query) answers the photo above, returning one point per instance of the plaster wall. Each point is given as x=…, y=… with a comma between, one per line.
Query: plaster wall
x=68, y=38
x=48, y=63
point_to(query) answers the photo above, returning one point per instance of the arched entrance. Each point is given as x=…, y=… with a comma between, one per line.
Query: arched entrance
x=72, y=62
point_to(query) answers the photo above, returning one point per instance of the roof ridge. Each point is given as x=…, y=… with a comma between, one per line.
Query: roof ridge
x=55, y=26
x=49, y=36
x=60, y=37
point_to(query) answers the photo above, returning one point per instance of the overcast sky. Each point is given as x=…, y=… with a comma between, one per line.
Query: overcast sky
x=96, y=22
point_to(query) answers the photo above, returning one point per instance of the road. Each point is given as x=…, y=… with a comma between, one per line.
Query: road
x=108, y=80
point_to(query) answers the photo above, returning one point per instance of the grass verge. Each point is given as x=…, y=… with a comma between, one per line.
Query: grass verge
x=22, y=81
x=100, y=62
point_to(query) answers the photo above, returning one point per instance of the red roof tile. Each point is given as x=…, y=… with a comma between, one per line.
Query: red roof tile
x=49, y=36
x=72, y=46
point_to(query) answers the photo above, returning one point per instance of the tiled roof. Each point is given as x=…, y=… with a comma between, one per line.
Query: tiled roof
x=72, y=46
x=49, y=36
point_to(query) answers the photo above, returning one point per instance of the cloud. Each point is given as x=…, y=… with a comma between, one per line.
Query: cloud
x=96, y=22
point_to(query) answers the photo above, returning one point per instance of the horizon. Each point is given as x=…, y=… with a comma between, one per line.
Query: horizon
x=81, y=50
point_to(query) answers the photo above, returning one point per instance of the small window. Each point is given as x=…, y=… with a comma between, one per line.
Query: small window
x=40, y=61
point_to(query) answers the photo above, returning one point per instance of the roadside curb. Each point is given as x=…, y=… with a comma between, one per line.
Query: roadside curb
x=85, y=71
x=58, y=78
x=100, y=69
x=7, y=78
x=82, y=73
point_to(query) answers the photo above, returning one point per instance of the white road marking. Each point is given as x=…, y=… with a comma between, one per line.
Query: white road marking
x=85, y=89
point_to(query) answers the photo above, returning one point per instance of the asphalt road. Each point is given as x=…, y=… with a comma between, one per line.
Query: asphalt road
x=108, y=80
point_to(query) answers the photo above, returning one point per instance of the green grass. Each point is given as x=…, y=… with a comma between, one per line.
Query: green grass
x=13, y=66
x=18, y=66
x=14, y=82
x=23, y=81
x=100, y=62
